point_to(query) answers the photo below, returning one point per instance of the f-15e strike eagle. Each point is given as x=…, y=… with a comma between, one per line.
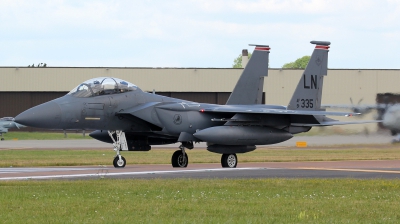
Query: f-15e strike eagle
x=133, y=120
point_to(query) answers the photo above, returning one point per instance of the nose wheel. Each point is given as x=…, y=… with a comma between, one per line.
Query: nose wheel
x=119, y=144
x=119, y=162
x=229, y=160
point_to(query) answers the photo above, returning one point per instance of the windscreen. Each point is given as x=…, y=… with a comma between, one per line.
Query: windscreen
x=102, y=86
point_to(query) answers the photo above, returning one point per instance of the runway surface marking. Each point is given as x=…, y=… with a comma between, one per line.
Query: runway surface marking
x=104, y=172
x=32, y=170
x=349, y=170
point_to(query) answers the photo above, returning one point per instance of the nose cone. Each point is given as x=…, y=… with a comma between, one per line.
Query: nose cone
x=101, y=136
x=47, y=115
x=390, y=120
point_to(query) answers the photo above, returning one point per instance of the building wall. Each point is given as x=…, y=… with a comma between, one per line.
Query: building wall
x=339, y=85
x=24, y=87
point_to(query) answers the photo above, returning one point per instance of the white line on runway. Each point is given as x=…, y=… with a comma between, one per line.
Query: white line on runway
x=102, y=173
x=47, y=169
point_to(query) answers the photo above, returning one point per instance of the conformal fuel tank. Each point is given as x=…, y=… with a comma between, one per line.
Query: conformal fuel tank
x=243, y=135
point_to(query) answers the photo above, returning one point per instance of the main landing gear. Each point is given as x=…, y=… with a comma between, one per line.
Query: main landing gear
x=180, y=158
x=119, y=144
x=229, y=160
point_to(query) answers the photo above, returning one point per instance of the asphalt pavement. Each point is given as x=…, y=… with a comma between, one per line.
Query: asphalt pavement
x=389, y=169
x=338, y=169
x=319, y=140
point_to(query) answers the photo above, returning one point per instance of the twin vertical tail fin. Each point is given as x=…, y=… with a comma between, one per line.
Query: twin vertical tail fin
x=249, y=88
x=307, y=95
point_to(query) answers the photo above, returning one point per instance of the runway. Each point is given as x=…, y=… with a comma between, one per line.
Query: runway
x=338, y=169
x=94, y=144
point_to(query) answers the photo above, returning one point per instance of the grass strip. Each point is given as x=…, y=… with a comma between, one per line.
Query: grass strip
x=20, y=135
x=24, y=135
x=201, y=201
x=32, y=157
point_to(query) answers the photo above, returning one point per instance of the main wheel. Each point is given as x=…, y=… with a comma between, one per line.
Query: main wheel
x=119, y=163
x=229, y=160
x=2, y=139
x=178, y=160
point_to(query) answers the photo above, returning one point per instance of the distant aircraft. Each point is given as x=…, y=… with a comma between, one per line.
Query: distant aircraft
x=7, y=123
x=356, y=108
x=134, y=120
x=388, y=113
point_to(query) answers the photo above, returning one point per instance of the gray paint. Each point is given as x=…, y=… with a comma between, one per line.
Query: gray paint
x=249, y=88
x=243, y=135
x=150, y=119
x=7, y=123
x=307, y=95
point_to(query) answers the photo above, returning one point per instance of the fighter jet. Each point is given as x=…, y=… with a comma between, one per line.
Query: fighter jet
x=7, y=123
x=388, y=113
x=133, y=120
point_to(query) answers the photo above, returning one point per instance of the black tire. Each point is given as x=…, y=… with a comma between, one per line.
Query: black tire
x=2, y=139
x=119, y=163
x=177, y=159
x=229, y=160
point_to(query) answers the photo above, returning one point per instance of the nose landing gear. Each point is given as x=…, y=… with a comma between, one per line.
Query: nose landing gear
x=119, y=144
x=119, y=162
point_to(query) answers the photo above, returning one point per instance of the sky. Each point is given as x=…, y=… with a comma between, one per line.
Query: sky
x=196, y=33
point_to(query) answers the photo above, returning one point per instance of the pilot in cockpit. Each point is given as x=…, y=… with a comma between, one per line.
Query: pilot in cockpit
x=96, y=88
x=102, y=86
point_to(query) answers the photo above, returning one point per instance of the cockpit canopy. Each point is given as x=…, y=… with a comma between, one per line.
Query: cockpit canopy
x=102, y=86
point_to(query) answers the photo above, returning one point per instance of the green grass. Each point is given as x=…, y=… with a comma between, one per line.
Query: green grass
x=201, y=201
x=43, y=135
x=32, y=157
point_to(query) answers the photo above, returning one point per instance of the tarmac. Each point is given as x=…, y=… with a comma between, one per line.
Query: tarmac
x=319, y=140
x=389, y=169
x=386, y=169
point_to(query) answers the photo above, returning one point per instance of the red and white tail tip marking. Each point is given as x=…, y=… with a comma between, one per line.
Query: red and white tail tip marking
x=322, y=47
x=262, y=49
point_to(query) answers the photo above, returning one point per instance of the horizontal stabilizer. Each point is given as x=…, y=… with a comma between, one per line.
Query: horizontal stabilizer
x=258, y=110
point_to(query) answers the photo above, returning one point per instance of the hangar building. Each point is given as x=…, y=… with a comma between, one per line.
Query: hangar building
x=25, y=87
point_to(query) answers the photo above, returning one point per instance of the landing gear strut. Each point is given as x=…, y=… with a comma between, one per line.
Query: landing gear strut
x=180, y=158
x=229, y=160
x=119, y=144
